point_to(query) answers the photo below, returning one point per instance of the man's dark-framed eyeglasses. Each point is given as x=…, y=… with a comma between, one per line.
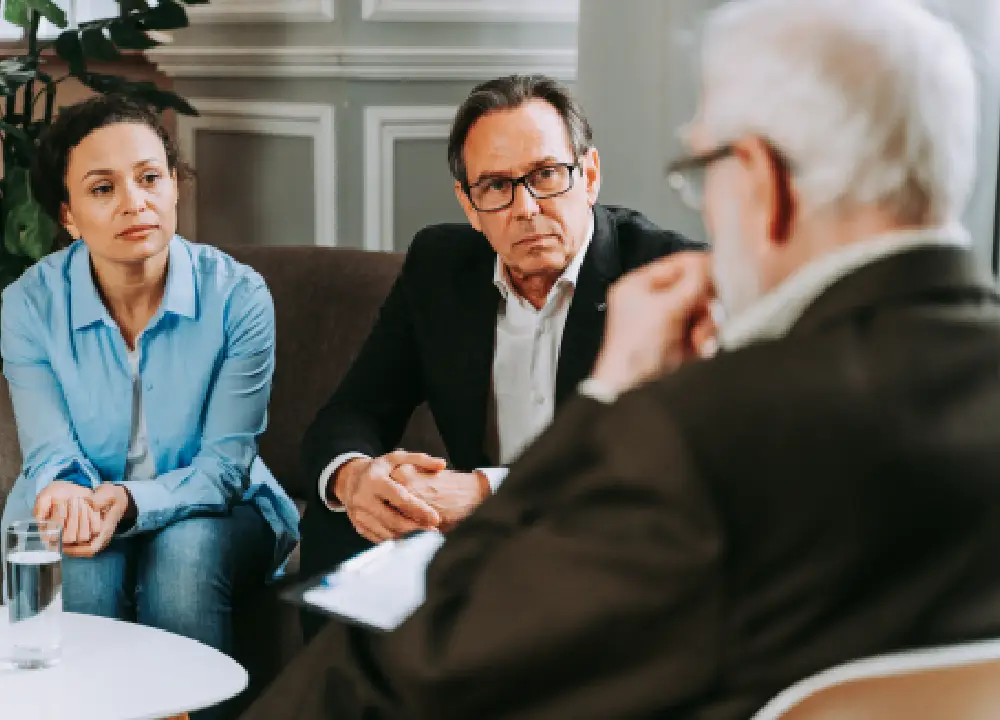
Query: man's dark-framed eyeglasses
x=492, y=194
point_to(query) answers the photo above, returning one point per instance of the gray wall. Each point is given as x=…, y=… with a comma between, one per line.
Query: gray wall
x=640, y=94
x=332, y=130
x=979, y=21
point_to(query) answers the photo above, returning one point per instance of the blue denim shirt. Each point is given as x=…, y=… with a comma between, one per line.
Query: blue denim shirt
x=205, y=362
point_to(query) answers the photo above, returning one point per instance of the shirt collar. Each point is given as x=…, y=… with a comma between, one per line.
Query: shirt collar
x=774, y=314
x=568, y=277
x=87, y=307
x=179, y=296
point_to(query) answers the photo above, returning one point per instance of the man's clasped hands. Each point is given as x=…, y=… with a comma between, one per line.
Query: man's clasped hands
x=400, y=492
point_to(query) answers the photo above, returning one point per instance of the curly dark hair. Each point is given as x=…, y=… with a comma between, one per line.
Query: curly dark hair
x=512, y=91
x=72, y=125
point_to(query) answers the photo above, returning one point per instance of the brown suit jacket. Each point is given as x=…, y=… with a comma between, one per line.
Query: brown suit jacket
x=719, y=534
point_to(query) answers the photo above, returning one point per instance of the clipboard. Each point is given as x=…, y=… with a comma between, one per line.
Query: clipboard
x=377, y=589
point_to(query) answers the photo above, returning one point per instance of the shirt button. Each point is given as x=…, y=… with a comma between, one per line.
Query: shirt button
x=537, y=398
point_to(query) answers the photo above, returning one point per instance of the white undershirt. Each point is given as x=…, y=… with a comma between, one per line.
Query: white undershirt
x=525, y=363
x=139, y=463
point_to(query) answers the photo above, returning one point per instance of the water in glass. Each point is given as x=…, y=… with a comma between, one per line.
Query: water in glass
x=33, y=571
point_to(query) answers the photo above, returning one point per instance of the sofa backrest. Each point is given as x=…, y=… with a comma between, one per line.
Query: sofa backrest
x=325, y=301
x=10, y=450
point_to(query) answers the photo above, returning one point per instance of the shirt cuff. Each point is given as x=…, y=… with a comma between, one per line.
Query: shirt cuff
x=329, y=472
x=130, y=515
x=596, y=390
x=495, y=476
x=153, y=504
x=72, y=471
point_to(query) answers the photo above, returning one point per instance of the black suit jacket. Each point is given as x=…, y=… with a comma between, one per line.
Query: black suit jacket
x=434, y=338
x=718, y=534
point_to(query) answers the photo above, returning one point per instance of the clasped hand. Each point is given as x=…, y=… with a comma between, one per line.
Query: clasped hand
x=89, y=517
x=401, y=492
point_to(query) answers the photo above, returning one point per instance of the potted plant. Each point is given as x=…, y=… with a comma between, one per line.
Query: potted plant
x=28, y=87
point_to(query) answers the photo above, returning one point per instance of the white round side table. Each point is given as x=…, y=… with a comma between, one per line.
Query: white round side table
x=114, y=670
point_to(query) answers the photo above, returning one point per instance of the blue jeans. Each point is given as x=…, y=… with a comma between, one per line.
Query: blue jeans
x=181, y=578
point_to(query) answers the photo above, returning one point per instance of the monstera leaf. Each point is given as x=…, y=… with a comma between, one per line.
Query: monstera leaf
x=19, y=12
x=28, y=231
x=148, y=91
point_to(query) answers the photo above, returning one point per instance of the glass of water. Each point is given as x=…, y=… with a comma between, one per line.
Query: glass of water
x=33, y=587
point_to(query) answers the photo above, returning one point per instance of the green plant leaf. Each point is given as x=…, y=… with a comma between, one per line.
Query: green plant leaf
x=126, y=31
x=17, y=137
x=15, y=72
x=127, y=36
x=19, y=12
x=50, y=11
x=69, y=48
x=163, y=99
x=103, y=83
x=129, y=6
x=11, y=268
x=145, y=90
x=15, y=186
x=16, y=12
x=18, y=63
x=28, y=232
x=168, y=15
x=97, y=44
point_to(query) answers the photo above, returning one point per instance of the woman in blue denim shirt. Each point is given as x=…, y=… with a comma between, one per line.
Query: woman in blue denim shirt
x=139, y=365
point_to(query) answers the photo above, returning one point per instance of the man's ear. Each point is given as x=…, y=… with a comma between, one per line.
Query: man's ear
x=590, y=165
x=66, y=219
x=470, y=212
x=769, y=188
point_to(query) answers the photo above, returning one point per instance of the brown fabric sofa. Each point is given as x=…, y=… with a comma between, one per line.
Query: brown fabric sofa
x=325, y=302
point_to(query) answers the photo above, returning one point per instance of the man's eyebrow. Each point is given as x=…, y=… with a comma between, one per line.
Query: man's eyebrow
x=507, y=175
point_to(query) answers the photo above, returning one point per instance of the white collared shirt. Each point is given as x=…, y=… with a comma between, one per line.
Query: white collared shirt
x=526, y=357
x=772, y=316
x=525, y=363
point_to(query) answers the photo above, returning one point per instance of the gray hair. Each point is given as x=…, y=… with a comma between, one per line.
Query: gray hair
x=512, y=91
x=873, y=101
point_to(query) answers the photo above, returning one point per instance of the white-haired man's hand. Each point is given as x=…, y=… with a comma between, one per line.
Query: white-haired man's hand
x=658, y=317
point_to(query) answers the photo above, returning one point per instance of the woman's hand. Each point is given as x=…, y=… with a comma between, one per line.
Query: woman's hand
x=72, y=505
x=111, y=501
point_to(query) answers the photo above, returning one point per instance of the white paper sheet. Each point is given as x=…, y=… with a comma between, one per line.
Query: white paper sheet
x=380, y=587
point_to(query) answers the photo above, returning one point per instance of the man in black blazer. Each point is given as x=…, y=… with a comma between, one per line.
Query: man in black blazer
x=491, y=324
x=684, y=543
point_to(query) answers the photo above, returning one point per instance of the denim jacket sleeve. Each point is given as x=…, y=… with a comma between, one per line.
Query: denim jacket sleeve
x=235, y=416
x=45, y=431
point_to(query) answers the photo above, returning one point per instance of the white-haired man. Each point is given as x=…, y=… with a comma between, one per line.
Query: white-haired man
x=685, y=542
